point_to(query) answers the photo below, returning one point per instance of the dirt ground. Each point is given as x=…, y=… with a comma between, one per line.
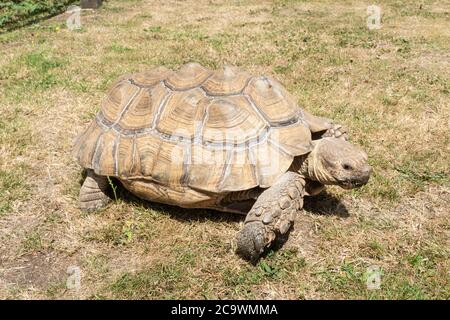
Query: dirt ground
x=389, y=86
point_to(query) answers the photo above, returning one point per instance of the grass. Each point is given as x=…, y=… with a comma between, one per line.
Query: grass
x=11, y=190
x=14, y=14
x=390, y=87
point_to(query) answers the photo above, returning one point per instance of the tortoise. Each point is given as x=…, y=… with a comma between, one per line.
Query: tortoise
x=222, y=140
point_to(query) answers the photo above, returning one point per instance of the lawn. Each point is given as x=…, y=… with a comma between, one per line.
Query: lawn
x=17, y=13
x=389, y=86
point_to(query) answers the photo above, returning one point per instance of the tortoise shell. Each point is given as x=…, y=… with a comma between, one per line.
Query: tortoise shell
x=194, y=128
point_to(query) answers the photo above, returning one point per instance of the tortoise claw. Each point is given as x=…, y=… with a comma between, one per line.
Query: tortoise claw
x=337, y=131
x=251, y=241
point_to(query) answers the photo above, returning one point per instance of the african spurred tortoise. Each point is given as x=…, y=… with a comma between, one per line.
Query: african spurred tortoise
x=222, y=140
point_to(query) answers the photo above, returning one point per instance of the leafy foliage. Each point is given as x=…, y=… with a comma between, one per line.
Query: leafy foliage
x=16, y=13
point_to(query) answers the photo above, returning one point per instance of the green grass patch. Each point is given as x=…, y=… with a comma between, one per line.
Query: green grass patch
x=33, y=242
x=117, y=48
x=162, y=281
x=422, y=176
x=35, y=71
x=12, y=188
x=15, y=13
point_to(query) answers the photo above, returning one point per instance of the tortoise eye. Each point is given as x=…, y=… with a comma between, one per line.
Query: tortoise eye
x=347, y=166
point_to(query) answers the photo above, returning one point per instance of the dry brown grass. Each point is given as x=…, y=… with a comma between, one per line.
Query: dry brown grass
x=389, y=86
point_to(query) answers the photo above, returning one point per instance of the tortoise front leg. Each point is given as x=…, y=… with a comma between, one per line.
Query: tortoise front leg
x=93, y=192
x=323, y=127
x=337, y=131
x=272, y=215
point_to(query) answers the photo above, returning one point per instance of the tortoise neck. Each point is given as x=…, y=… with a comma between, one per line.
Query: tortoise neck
x=300, y=165
x=314, y=169
x=310, y=167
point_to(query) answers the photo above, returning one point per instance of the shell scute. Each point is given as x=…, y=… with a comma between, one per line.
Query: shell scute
x=274, y=102
x=206, y=167
x=151, y=77
x=104, y=157
x=241, y=172
x=271, y=163
x=231, y=120
x=119, y=97
x=181, y=113
x=189, y=76
x=226, y=81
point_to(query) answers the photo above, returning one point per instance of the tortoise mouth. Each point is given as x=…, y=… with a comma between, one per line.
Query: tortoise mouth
x=357, y=181
x=352, y=184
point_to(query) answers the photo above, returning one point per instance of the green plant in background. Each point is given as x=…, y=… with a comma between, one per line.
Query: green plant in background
x=113, y=187
x=16, y=13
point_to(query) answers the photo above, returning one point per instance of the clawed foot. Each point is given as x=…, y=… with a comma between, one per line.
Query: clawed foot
x=93, y=192
x=99, y=202
x=252, y=240
x=271, y=216
x=337, y=131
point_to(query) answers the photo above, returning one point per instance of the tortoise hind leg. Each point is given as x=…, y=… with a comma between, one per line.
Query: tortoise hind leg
x=239, y=201
x=93, y=192
x=272, y=215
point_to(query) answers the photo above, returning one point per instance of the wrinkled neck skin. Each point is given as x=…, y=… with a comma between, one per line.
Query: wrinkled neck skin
x=302, y=166
x=312, y=168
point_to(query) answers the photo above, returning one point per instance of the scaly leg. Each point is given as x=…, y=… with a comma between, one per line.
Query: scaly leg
x=323, y=127
x=272, y=215
x=93, y=192
x=337, y=131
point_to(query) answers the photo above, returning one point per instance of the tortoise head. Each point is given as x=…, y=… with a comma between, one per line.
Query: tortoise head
x=336, y=161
